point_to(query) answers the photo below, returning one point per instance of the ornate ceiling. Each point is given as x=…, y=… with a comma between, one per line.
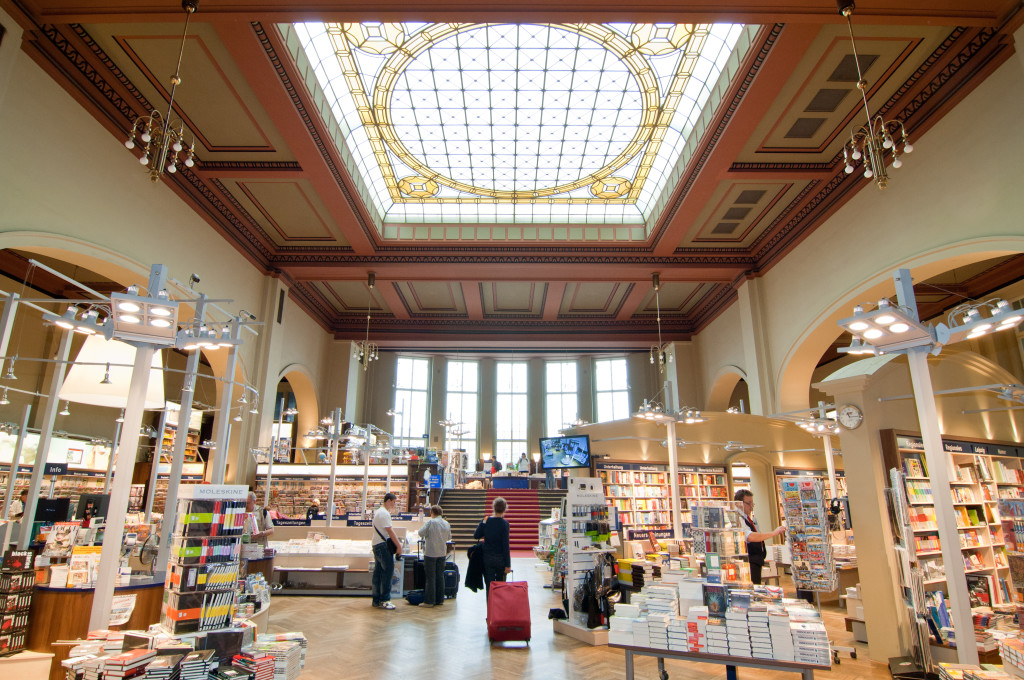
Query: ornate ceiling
x=508, y=181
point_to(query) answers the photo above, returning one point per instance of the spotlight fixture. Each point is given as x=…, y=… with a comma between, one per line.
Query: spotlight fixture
x=9, y=375
x=653, y=411
x=238, y=417
x=689, y=416
x=66, y=411
x=4, y=401
x=871, y=141
x=254, y=409
x=291, y=411
x=120, y=418
x=162, y=139
x=106, y=376
x=145, y=319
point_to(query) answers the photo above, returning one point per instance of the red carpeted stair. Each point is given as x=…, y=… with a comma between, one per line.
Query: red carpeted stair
x=523, y=515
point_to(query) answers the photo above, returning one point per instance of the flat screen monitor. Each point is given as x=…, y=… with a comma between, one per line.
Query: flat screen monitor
x=53, y=509
x=92, y=505
x=565, y=452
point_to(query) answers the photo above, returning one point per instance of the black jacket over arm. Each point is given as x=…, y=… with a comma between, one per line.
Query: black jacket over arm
x=495, y=532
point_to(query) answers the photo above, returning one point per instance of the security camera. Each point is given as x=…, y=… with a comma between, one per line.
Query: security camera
x=193, y=279
x=244, y=313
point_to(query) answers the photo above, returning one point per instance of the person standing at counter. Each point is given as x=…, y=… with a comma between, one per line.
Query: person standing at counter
x=756, y=550
x=436, y=533
x=383, y=560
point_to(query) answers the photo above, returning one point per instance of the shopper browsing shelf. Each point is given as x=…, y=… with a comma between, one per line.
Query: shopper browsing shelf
x=383, y=560
x=493, y=532
x=262, y=523
x=313, y=511
x=435, y=534
x=756, y=551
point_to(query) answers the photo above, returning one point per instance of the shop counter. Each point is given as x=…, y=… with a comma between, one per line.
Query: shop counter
x=63, y=614
x=26, y=665
x=510, y=482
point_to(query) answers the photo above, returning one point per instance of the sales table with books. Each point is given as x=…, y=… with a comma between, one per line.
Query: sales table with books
x=806, y=670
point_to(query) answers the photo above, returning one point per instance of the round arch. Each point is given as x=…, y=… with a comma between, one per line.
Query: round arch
x=722, y=386
x=797, y=367
x=301, y=380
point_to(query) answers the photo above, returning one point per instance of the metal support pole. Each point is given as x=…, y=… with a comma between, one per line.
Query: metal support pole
x=15, y=459
x=830, y=463
x=178, y=456
x=7, y=323
x=335, y=436
x=110, y=458
x=158, y=450
x=220, y=454
x=366, y=469
x=673, y=472
x=110, y=555
x=939, y=464
x=45, y=435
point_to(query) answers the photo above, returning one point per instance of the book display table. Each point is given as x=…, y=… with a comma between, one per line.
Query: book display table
x=805, y=670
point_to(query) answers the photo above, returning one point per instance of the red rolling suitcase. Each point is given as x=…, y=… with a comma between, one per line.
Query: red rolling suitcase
x=508, y=611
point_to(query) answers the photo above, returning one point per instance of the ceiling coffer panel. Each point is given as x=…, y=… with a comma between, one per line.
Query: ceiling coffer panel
x=432, y=298
x=350, y=297
x=518, y=298
x=594, y=299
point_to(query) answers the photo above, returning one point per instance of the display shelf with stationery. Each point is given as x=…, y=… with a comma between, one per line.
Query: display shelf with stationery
x=589, y=527
x=204, y=558
x=17, y=579
x=986, y=479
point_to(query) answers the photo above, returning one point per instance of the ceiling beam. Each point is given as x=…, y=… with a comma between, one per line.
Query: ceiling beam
x=553, y=300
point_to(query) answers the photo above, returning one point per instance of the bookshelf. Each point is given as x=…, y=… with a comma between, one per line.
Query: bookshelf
x=191, y=444
x=640, y=491
x=191, y=473
x=985, y=481
x=293, y=486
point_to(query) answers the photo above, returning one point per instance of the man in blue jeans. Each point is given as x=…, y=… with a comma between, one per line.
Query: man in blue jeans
x=383, y=560
x=435, y=534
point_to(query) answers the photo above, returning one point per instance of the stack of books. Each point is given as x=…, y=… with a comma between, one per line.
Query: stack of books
x=657, y=628
x=810, y=642
x=620, y=625
x=641, y=633
x=196, y=665
x=286, y=658
x=717, y=635
x=662, y=599
x=697, y=629
x=260, y=666
x=782, y=638
x=760, y=635
x=739, y=634
x=164, y=667
x=128, y=664
x=678, y=635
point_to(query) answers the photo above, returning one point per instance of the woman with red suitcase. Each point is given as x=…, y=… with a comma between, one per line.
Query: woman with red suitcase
x=493, y=532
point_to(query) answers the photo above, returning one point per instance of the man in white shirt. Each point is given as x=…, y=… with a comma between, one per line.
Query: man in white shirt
x=18, y=506
x=756, y=550
x=435, y=533
x=383, y=560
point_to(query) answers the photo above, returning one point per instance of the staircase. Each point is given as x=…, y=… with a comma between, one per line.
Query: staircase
x=523, y=514
x=464, y=508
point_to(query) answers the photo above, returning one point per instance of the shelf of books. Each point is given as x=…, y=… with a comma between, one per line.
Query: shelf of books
x=640, y=491
x=191, y=444
x=292, y=487
x=21, y=482
x=784, y=473
x=986, y=480
x=191, y=473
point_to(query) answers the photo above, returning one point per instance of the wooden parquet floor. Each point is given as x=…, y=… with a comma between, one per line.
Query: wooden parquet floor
x=350, y=640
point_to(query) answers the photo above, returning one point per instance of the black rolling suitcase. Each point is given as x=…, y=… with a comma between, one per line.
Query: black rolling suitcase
x=451, y=580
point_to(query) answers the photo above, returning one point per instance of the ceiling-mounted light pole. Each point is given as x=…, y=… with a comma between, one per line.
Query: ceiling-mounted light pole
x=872, y=140
x=366, y=351
x=659, y=353
x=162, y=139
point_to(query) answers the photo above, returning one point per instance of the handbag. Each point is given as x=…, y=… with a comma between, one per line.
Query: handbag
x=392, y=548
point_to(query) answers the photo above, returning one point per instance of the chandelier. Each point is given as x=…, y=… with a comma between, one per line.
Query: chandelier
x=366, y=351
x=659, y=353
x=161, y=138
x=870, y=142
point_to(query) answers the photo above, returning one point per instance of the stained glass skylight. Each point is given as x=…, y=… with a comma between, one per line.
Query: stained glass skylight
x=578, y=124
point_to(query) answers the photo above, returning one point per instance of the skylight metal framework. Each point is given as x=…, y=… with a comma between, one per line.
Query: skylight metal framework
x=516, y=123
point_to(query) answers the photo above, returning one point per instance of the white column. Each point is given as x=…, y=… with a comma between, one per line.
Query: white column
x=15, y=459
x=939, y=464
x=45, y=434
x=127, y=446
x=335, y=436
x=219, y=459
x=673, y=478
x=110, y=458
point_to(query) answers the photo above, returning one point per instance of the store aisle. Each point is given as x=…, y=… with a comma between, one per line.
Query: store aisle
x=349, y=640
